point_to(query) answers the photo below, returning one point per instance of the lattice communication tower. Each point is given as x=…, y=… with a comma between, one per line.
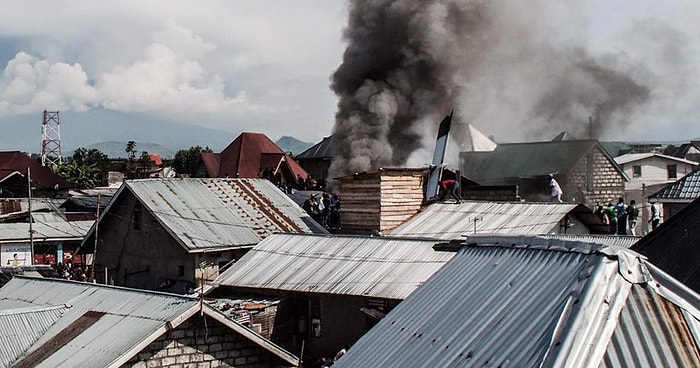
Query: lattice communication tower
x=51, y=139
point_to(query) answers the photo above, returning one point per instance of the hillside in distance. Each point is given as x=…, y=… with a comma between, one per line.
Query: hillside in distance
x=293, y=145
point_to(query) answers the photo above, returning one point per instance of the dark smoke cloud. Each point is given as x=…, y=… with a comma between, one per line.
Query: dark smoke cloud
x=409, y=62
x=589, y=88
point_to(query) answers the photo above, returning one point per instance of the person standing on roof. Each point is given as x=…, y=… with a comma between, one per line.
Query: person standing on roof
x=452, y=187
x=655, y=216
x=632, y=216
x=621, y=209
x=611, y=214
x=555, y=189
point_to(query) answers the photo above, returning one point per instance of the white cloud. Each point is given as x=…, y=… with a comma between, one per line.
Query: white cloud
x=29, y=85
x=252, y=65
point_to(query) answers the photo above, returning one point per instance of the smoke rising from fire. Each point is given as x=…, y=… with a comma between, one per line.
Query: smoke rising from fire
x=409, y=62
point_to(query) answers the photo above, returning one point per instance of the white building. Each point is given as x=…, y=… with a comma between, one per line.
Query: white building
x=647, y=169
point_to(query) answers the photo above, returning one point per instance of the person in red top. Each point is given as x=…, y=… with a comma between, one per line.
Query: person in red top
x=452, y=187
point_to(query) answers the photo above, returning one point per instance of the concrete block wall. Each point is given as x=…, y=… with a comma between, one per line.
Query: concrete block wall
x=607, y=182
x=199, y=344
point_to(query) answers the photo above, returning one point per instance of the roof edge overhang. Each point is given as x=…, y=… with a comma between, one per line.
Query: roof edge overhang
x=42, y=239
x=631, y=265
x=219, y=249
x=670, y=200
x=8, y=176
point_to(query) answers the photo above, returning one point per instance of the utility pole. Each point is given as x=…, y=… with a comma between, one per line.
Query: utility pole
x=94, y=252
x=29, y=207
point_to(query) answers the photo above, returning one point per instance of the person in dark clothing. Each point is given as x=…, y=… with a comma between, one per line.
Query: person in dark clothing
x=452, y=187
x=632, y=216
x=621, y=208
x=335, y=211
x=300, y=182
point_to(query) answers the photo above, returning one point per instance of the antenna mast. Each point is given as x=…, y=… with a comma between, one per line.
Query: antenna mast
x=51, y=139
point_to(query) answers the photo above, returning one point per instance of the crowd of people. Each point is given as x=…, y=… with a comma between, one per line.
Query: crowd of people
x=298, y=183
x=325, y=210
x=70, y=271
x=622, y=218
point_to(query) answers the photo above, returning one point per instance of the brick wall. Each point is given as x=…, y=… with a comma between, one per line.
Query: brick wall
x=196, y=344
x=597, y=177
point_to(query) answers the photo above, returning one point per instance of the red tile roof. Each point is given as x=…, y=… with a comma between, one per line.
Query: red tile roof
x=16, y=161
x=246, y=156
x=156, y=158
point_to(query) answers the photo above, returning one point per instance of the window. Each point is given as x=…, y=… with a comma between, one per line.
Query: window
x=636, y=171
x=137, y=216
x=180, y=271
x=671, y=170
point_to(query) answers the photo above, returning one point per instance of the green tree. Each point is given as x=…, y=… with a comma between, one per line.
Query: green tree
x=143, y=164
x=131, y=155
x=93, y=156
x=187, y=161
x=86, y=168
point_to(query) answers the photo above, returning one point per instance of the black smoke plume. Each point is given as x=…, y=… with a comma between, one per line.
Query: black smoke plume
x=409, y=62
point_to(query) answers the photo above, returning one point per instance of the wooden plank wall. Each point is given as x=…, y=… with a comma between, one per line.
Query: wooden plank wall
x=360, y=198
x=402, y=197
x=380, y=201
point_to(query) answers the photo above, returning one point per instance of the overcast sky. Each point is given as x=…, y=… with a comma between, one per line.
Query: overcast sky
x=264, y=66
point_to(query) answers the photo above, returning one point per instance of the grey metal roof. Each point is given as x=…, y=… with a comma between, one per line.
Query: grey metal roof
x=537, y=302
x=674, y=246
x=531, y=159
x=632, y=157
x=219, y=213
x=19, y=329
x=623, y=241
x=49, y=231
x=685, y=189
x=131, y=318
x=351, y=265
x=454, y=221
x=325, y=149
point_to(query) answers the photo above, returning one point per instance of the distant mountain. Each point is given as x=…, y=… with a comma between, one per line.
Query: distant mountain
x=115, y=149
x=98, y=126
x=293, y=145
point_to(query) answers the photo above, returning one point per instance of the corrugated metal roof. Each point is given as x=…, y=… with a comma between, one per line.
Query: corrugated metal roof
x=632, y=157
x=19, y=329
x=454, y=221
x=616, y=149
x=673, y=246
x=324, y=149
x=536, y=302
x=623, y=241
x=645, y=315
x=131, y=316
x=523, y=160
x=352, y=265
x=19, y=232
x=122, y=321
x=219, y=213
x=685, y=189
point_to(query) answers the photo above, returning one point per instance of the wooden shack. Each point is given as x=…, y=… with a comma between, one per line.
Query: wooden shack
x=378, y=201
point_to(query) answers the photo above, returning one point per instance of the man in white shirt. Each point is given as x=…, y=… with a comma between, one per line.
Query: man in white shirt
x=556, y=191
